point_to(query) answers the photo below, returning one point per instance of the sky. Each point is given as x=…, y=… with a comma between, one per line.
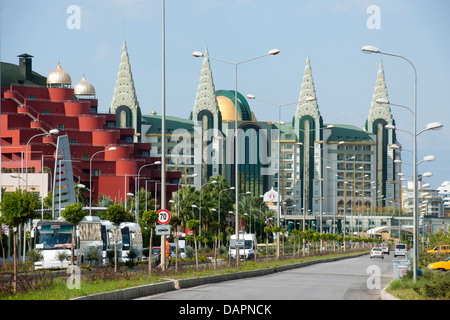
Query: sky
x=86, y=36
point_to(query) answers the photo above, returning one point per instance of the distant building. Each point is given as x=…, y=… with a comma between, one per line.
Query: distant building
x=33, y=104
x=324, y=168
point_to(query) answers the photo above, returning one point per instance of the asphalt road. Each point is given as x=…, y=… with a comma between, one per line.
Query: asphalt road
x=358, y=278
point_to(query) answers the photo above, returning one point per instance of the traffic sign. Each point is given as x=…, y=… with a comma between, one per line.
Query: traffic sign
x=163, y=216
x=162, y=230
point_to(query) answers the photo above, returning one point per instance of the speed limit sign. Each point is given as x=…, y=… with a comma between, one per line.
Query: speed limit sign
x=163, y=216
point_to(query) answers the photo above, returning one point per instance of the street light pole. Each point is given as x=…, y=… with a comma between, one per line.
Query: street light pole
x=372, y=49
x=236, y=164
x=136, y=187
x=90, y=176
x=52, y=131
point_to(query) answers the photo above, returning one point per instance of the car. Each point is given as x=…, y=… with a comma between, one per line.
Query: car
x=385, y=248
x=441, y=265
x=376, y=253
x=400, y=249
x=440, y=249
x=181, y=251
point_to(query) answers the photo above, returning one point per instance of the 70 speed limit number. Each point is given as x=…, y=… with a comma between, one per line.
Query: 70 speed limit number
x=163, y=216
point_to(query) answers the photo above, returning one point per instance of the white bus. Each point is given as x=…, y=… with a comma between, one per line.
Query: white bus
x=53, y=238
x=108, y=231
x=131, y=238
x=89, y=236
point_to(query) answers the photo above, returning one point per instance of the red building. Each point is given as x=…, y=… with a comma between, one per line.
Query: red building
x=32, y=104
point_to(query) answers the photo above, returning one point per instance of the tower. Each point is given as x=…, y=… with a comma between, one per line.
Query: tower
x=207, y=118
x=308, y=123
x=125, y=103
x=380, y=116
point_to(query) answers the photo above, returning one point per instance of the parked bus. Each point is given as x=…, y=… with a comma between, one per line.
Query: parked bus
x=131, y=239
x=109, y=235
x=53, y=238
x=89, y=237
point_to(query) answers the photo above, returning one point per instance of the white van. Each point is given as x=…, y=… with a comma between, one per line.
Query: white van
x=400, y=249
x=248, y=246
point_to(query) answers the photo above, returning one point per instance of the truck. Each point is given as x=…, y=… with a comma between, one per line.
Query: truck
x=246, y=244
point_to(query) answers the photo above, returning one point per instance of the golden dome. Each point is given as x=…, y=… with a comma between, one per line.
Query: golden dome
x=59, y=77
x=227, y=109
x=84, y=88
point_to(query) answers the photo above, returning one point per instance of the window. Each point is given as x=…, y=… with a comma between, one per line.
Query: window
x=73, y=142
x=60, y=127
x=47, y=112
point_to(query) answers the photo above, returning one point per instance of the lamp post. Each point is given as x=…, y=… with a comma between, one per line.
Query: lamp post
x=372, y=49
x=250, y=96
x=136, y=186
x=236, y=154
x=231, y=188
x=200, y=208
x=52, y=131
x=90, y=176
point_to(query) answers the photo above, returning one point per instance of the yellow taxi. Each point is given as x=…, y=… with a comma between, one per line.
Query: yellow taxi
x=440, y=249
x=441, y=265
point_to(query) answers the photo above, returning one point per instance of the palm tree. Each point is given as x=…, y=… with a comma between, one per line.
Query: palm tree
x=186, y=197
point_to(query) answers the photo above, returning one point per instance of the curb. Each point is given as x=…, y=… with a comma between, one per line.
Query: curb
x=176, y=284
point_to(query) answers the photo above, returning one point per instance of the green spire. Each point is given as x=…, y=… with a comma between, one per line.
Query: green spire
x=206, y=96
x=379, y=110
x=307, y=92
x=125, y=103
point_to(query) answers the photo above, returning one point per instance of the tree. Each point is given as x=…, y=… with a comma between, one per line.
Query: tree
x=277, y=230
x=17, y=208
x=186, y=197
x=193, y=225
x=116, y=214
x=267, y=231
x=174, y=223
x=73, y=214
x=295, y=233
x=148, y=220
x=215, y=228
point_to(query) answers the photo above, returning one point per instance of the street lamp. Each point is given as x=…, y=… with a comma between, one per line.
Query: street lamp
x=212, y=182
x=231, y=188
x=371, y=49
x=251, y=96
x=90, y=176
x=136, y=187
x=198, y=54
x=52, y=131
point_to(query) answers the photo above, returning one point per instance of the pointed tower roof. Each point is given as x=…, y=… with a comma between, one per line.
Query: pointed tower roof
x=206, y=92
x=124, y=93
x=379, y=110
x=308, y=100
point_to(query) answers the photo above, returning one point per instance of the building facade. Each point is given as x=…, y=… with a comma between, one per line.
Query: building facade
x=325, y=169
x=33, y=105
